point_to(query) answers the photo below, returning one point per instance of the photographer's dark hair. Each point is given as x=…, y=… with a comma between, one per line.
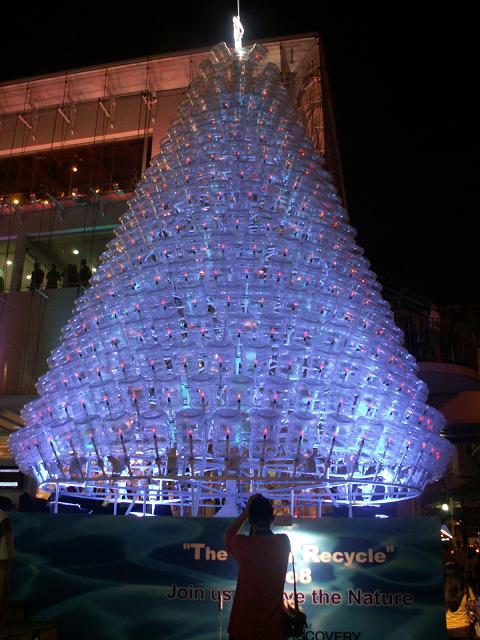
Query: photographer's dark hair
x=260, y=512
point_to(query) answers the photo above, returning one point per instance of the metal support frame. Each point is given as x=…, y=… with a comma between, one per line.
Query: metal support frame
x=98, y=200
x=190, y=495
x=58, y=205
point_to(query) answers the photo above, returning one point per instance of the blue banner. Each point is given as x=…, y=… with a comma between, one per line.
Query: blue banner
x=107, y=577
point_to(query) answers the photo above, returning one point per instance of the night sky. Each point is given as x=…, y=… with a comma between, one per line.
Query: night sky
x=402, y=78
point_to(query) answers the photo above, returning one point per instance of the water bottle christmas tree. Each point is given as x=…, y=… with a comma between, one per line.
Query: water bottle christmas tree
x=234, y=335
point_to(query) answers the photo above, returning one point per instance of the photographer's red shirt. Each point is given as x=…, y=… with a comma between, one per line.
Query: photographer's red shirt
x=257, y=611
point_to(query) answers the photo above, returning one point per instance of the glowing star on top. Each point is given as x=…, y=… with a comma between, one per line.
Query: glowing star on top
x=238, y=32
x=234, y=337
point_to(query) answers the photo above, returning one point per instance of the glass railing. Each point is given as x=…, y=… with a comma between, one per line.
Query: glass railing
x=451, y=337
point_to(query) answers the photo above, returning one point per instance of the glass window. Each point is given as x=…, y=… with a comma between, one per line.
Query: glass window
x=60, y=257
x=70, y=172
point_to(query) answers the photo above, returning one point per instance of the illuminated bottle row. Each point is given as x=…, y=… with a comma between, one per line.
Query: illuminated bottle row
x=234, y=329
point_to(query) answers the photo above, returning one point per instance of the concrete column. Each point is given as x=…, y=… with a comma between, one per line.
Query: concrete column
x=18, y=260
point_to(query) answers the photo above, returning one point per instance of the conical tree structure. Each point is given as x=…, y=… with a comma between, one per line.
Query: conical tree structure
x=234, y=330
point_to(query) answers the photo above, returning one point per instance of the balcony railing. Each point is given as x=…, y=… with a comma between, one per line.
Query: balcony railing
x=433, y=333
x=453, y=339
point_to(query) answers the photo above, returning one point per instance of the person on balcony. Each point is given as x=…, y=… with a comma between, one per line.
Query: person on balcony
x=71, y=277
x=37, y=276
x=434, y=332
x=53, y=277
x=85, y=273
